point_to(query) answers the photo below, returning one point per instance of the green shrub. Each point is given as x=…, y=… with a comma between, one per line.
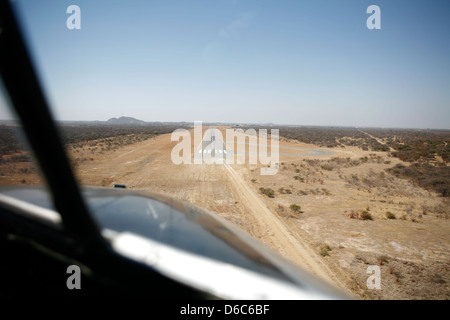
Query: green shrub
x=295, y=208
x=382, y=260
x=284, y=191
x=390, y=215
x=365, y=215
x=325, y=250
x=268, y=192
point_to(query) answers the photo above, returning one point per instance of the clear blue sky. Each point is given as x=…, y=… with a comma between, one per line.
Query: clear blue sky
x=299, y=62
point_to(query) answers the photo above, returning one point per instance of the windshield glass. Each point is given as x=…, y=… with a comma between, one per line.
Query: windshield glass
x=18, y=165
x=320, y=128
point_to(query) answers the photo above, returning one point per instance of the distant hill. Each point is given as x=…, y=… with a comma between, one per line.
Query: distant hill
x=129, y=121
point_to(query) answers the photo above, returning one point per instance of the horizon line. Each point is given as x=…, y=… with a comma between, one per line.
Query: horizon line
x=248, y=123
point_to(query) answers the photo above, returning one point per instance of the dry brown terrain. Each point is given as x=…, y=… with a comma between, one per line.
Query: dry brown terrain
x=325, y=234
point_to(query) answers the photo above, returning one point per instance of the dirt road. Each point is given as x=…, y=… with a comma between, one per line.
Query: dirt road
x=217, y=188
x=377, y=139
x=277, y=234
x=325, y=237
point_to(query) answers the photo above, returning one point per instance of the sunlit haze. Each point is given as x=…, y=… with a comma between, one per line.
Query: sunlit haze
x=255, y=61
